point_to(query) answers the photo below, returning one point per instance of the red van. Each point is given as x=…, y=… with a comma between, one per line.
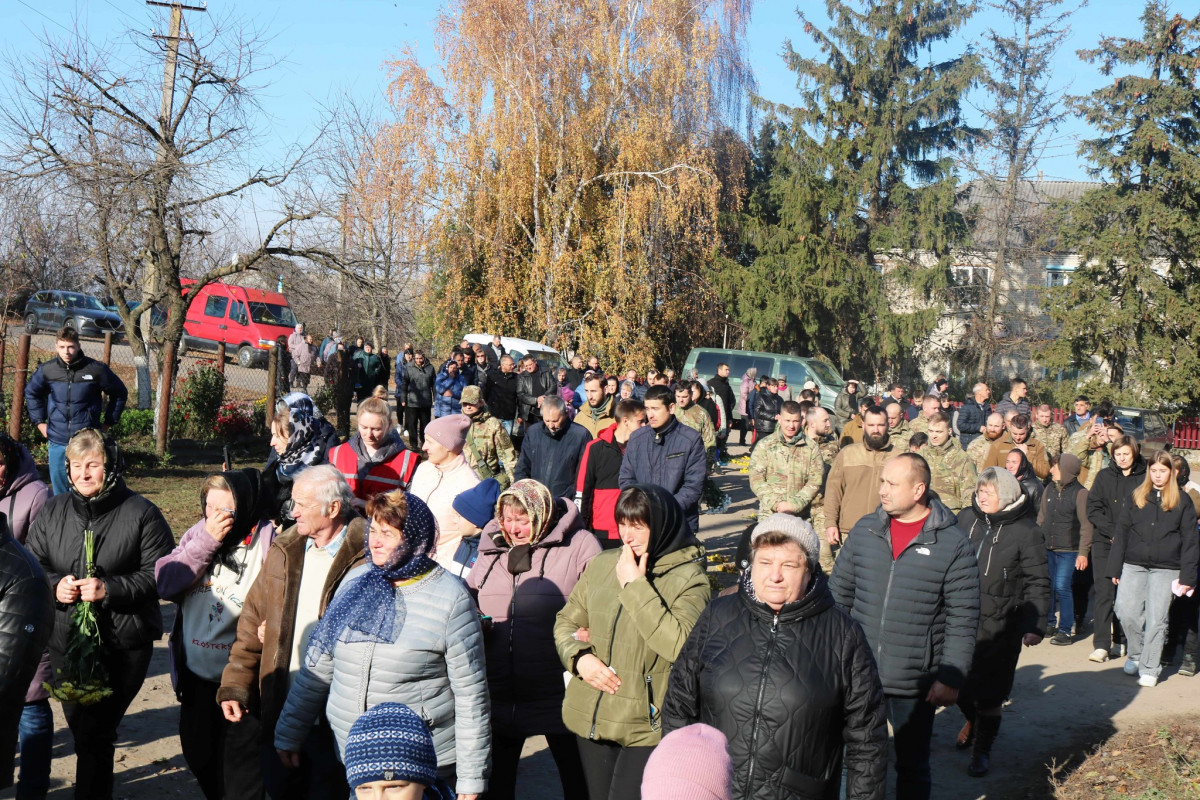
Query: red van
x=248, y=321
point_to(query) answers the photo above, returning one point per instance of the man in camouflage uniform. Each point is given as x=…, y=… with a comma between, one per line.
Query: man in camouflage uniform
x=899, y=429
x=1049, y=432
x=929, y=407
x=978, y=449
x=818, y=427
x=488, y=449
x=786, y=468
x=695, y=417
x=953, y=472
x=1090, y=444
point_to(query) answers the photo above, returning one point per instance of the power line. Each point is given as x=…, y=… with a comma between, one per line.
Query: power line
x=45, y=15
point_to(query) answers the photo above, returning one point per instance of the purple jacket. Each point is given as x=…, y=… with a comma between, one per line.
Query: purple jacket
x=20, y=501
x=524, y=672
x=186, y=565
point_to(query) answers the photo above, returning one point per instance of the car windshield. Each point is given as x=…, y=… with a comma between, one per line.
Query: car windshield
x=272, y=314
x=824, y=373
x=83, y=301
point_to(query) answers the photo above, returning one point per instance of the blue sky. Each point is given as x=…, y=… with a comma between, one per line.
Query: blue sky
x=341, y=45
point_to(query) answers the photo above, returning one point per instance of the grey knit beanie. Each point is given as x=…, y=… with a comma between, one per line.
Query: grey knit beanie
x=796, y=529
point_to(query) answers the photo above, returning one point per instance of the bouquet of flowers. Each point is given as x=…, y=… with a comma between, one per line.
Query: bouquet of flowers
x=84, y=679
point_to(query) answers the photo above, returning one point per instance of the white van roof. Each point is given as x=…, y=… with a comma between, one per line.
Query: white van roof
x=512, y=343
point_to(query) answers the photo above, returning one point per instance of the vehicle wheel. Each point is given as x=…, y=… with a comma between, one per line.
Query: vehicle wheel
x=31, y=324
x=69, y=324
x=245, y=356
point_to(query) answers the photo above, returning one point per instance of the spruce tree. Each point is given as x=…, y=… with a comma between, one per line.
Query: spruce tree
x=1134, y=301
x=862, y=167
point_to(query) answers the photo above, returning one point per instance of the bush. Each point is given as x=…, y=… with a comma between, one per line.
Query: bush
x=234, y=420
x=323, y=400
x=135, y=422
x=197, y=401
x=258, y=417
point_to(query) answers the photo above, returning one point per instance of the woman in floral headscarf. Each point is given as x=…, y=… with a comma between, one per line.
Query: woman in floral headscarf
x=300, y=437
x=530, y=557
x=402, y=630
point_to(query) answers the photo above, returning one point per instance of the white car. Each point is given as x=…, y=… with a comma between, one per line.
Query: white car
x=548, y=357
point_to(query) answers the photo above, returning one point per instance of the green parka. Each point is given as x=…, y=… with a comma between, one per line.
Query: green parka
x=638, y=631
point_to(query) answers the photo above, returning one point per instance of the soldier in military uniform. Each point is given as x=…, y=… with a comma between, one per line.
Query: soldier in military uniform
x=488, y=449
x=953, y=472
x=980, y=445
x=1052, y=435
x=818, y=427
x=930, y=406
x=786, y=468
x=899, y=429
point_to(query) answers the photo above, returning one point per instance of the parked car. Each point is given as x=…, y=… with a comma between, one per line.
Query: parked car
x=51, y=309
x=547, y=357
x=247, y=320
x=158, y=317
x=1146, y=426
x=796, y=369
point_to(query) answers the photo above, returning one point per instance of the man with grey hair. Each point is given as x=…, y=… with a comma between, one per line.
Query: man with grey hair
x=972, y=416
x=304, y=567
x=552, y=449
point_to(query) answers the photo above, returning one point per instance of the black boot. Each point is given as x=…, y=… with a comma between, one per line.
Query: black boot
x=986, y=728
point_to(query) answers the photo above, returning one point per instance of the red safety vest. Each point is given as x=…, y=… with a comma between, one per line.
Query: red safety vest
x=395, y=473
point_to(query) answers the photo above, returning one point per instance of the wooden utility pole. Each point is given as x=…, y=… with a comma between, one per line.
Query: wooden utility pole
x=151, y=290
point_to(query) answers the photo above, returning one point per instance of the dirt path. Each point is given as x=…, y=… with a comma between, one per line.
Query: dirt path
x=1062, y=705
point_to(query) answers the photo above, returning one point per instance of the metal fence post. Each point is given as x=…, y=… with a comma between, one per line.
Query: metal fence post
x=272, y=387
x=19, y=377
x=166, y=388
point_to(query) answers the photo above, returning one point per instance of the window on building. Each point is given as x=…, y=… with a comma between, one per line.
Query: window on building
x=970, y=285
x=1057, y=275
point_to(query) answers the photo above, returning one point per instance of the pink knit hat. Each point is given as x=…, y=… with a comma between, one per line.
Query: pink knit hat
x=691, y=763
x=450, y=432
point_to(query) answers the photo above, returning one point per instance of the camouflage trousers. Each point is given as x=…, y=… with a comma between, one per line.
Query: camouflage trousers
x=828, y=552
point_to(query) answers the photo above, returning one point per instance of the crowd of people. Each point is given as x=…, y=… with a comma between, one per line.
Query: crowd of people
x=513, y=552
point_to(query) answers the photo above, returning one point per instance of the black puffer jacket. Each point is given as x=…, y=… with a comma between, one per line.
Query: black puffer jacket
x=131, y=535
x=1154, y=538
x=920, y=611
x=1109, y=493
x=26, y=619
x=1014, y=582
x=67, y=397
x=789, y=691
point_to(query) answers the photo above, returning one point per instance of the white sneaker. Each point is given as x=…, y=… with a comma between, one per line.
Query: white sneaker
x=1148, y=681
x=1131, y=667
x=1098, y=655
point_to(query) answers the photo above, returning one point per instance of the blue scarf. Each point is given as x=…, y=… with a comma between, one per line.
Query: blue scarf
x=369, y=609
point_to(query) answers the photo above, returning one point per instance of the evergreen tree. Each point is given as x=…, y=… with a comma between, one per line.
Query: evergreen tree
x=860, y=180
x=1134, y=302
x=1024, y=112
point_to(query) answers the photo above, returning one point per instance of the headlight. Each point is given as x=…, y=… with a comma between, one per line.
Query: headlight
x=266, y=344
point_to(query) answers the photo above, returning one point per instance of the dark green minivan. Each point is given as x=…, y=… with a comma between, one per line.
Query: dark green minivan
x=796, y=369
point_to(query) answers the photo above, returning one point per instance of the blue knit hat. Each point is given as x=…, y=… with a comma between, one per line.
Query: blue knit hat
x=390, y=743
x=477, y=505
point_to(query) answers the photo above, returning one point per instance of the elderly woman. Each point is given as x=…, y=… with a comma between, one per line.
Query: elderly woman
x=400, y=629
x=532, y=555
x=786, y=675
x=619, y=633
x=1014, y=592
x=209, y=575
x=130, y=535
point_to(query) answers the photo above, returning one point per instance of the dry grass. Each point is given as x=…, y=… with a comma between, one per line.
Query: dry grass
x=1141, y=764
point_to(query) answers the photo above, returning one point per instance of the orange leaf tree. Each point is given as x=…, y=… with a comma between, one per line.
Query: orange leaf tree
x=569, y=145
